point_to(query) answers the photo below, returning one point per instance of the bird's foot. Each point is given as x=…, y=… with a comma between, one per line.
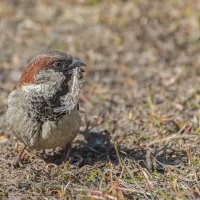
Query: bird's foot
x=19, y=159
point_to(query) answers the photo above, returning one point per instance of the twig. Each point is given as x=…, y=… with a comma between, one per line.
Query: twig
x=100, y=194
x=171, y=137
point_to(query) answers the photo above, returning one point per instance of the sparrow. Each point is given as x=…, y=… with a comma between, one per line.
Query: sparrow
x=43, y=108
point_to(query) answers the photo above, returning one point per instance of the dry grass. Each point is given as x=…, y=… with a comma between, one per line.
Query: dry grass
x=140, y=137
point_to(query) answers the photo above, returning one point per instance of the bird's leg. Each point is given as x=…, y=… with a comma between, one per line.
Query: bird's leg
x=68, y=148
x=43, y=153
x=54, y=151
x=18, y=162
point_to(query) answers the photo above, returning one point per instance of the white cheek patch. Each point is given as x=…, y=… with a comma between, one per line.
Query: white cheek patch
x=32, y=87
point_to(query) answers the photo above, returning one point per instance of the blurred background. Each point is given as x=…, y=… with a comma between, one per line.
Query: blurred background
x=133, y=48
x=143, y=59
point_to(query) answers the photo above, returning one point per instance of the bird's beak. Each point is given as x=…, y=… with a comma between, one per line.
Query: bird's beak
x=76, y=63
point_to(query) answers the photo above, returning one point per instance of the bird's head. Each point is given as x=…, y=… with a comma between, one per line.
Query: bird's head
x=44, y=66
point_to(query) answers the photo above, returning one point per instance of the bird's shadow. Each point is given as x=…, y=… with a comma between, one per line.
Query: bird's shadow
x=97, y=147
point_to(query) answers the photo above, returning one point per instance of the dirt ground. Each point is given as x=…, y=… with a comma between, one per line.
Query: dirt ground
x=140, y=105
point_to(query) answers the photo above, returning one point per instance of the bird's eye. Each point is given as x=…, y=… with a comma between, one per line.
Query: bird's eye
x=58, y=64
